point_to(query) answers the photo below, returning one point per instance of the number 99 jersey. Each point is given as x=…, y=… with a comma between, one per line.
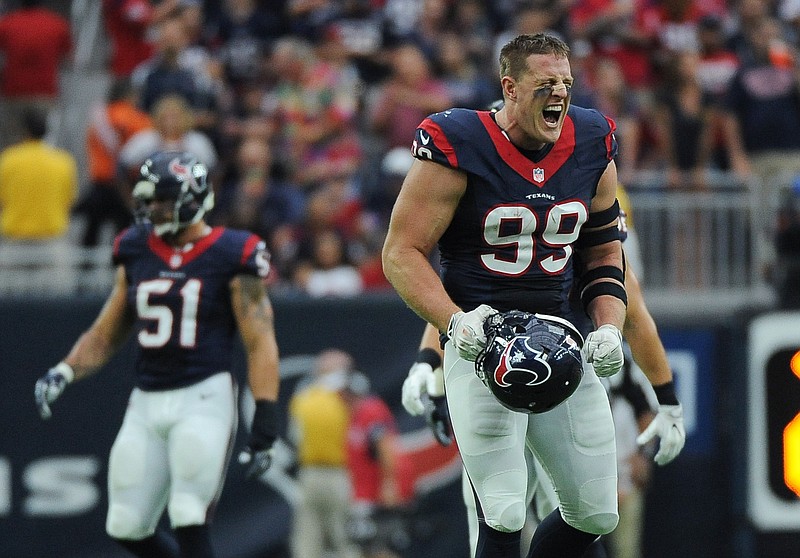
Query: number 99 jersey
x=523, y=209
x=185, y=326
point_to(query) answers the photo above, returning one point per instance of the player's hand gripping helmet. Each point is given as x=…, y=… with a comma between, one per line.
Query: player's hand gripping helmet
x=532, y=362
x=177, y=177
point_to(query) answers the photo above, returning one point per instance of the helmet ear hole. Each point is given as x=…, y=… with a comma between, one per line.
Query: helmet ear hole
x=531, y=362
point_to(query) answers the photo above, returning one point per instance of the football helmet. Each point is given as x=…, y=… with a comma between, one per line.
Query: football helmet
x=532, y=362
x=178, y=177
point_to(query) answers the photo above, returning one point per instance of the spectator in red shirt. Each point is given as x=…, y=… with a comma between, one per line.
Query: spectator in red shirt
x=34, y=41
x=127, y=24
x=613, y=30
x=673, y=27
x=382, y=476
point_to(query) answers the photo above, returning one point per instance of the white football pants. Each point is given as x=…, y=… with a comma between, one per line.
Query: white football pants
x=574, y=443
x=172, y=451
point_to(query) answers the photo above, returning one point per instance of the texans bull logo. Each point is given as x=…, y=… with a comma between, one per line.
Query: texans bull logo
x=513, y=353
x=184, y=173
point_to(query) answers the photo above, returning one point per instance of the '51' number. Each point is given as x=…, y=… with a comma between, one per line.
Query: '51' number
x=162, y=315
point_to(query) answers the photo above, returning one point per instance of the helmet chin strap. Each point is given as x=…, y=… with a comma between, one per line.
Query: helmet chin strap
x=176, y=225
x=166, y=228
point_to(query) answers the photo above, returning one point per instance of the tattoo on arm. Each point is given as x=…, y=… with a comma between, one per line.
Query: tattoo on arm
x=253, y=302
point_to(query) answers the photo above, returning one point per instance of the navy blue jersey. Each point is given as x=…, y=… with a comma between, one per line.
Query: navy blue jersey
x=510, y=243
x=185, y=325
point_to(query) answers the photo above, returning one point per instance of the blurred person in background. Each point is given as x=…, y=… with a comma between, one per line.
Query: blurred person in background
x=760, y=112
x=683, y=124
x=605, y=90
x=327, y=271
x=241, y=34
x=745, y=17
x=671, y=27
x=175, y=69
x=38, y=185
x=401, y=101
x=473, y=21
x=378, y=199
x=760, y=107
x=382, y=476
x=318, y=423
x=244, y=115
x=315, y=107
x=381, y=196
x=186, y=292
x=35, y=42
x=173, y=129
x=431, y=17
x=530, y=17
x=613, y=29
x=351, y=35
x=254, y=196
x=467, y=85
x=197, y=57
x=129, y=29
x=718, y=62
x=716, y=68
x=336, y=206
x=111, y=124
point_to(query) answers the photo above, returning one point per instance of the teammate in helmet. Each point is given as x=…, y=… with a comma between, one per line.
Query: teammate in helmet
x=510, y=197
x=182, y=289
x=173, y=192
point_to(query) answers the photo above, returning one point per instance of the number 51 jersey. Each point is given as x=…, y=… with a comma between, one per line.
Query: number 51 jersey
x=185, y=326
x=510, y=243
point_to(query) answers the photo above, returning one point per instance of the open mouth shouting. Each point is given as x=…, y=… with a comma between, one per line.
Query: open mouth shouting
x=552, y=114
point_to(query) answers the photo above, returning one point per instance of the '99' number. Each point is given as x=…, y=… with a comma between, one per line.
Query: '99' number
x=562, y=225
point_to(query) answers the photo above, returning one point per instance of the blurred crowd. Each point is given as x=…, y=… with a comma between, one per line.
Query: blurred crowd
x=305, y=110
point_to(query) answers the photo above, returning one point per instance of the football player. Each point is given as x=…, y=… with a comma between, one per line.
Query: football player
x=183, y=289
x=425, y=378
x=510, y=197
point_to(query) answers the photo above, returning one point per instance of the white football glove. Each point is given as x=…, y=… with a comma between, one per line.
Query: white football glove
x=465, y=330
x=50, y=386
x=668, y=426
x=603, y=350
x=421, y=380
x=256, y=462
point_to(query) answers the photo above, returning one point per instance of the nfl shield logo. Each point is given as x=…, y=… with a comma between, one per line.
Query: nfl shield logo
x=538, y=175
